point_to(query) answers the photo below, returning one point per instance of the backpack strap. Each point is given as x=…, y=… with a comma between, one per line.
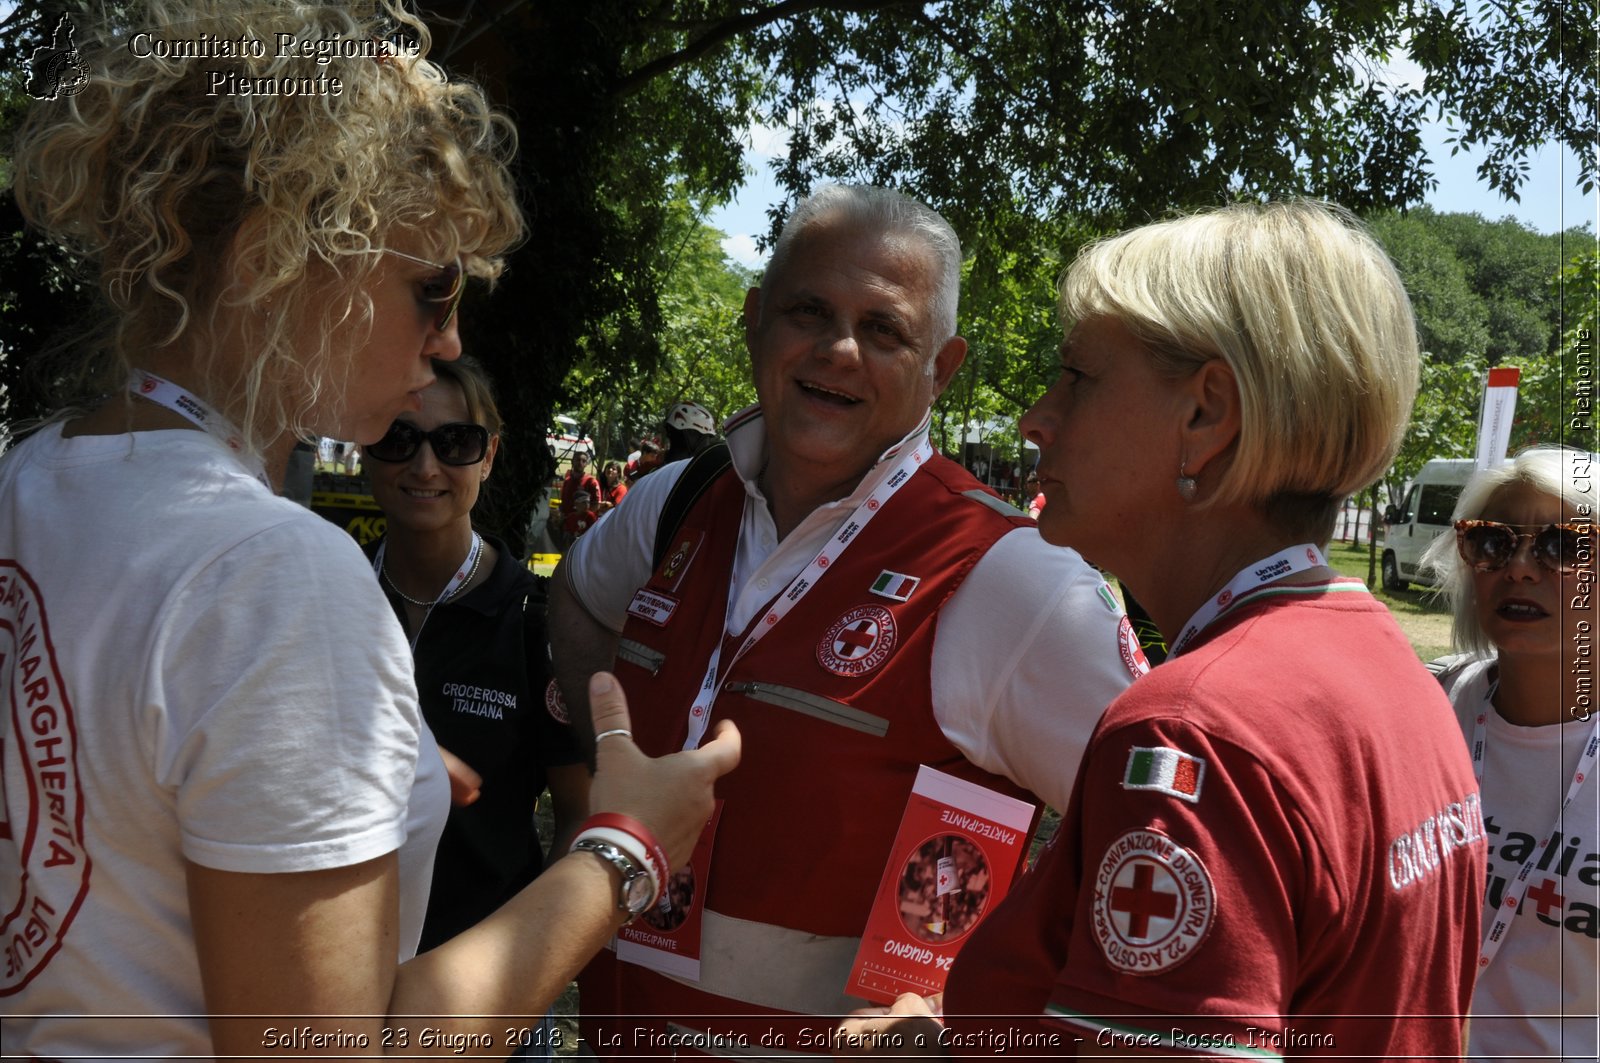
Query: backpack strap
x=535, y=644
x=704, y=469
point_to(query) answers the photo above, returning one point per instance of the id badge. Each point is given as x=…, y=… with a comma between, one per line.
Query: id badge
x=666, y=938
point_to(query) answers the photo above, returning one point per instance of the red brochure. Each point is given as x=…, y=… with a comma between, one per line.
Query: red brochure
x=958, y=848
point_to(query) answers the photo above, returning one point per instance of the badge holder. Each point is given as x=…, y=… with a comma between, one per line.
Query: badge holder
x=666, y=937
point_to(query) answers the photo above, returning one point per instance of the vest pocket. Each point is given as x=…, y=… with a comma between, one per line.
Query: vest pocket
x=813, y=705
x=640, y=654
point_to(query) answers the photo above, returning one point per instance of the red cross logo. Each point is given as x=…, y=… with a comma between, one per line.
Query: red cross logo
x=1545, y=896
x=855, y=641
x=1142, y=901
x=1153, y=903
x=858, y=642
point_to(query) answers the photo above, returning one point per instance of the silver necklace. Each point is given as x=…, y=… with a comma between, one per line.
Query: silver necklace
x=383, y=570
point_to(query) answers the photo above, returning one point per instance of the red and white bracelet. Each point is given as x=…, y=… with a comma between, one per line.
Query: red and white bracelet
x=631, y=838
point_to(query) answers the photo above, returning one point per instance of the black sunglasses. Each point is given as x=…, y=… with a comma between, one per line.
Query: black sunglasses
x=458, y=443
x=1488, y=545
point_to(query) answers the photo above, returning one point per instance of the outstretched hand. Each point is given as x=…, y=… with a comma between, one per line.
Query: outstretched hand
x=672, y=795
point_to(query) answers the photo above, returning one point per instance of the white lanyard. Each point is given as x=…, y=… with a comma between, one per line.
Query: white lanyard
x=196, y=411
x=464, y=572
x=849, y=532
x=1508, y=907
x=1285, y=562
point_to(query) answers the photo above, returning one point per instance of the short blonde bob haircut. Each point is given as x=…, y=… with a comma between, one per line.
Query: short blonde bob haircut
x=1310, y=315
x=215, y=214
x=1563, y=473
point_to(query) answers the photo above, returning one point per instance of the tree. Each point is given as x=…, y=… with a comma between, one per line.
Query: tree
x=1452, y=321
x=703, y=357
x=1010, y=116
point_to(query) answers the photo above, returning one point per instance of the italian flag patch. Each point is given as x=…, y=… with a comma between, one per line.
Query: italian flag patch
x=1166, y=771
x=895, y=585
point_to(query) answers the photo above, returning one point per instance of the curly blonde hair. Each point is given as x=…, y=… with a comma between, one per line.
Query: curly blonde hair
x=214, y=214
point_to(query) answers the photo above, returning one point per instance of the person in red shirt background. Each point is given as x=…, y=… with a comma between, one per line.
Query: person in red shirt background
x=612, y=486
x=578, y=480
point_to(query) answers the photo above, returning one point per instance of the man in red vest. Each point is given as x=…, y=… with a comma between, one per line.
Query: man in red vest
x=859, y=604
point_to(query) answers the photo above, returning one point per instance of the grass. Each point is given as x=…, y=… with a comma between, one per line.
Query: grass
x=1421, y=614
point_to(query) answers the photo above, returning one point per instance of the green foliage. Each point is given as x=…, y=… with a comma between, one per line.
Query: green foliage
x=1483, y=296
x=1577, y=290
x=1010, y=116
x=701, y=357
x=1512, y=75
x=1452, y=321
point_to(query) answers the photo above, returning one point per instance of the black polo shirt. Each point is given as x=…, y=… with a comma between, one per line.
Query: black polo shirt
x=482, y=680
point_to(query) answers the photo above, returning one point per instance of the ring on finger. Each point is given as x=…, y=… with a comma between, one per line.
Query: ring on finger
x=623, y=731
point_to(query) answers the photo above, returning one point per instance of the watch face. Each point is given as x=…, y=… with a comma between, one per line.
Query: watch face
x=638, y=890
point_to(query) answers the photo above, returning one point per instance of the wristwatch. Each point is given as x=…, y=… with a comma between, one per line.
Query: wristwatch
x=637, y=885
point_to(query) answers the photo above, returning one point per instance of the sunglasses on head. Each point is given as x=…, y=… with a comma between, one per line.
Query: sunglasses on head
x=1488, y=545
x=445, y=290
x=458, y=443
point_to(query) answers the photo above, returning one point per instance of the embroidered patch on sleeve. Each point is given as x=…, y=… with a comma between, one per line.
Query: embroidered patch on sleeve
x=1133, y=657
x=1153, y=903
x=1166, y=771
x=554, y=704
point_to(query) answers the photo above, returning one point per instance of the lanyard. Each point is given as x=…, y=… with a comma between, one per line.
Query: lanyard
x=464, y=572
x=197, y=412
x=1508, y=908
x=779, y=607
x=1285, y=562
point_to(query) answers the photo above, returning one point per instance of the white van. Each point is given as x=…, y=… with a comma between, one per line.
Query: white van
x=1420, y=518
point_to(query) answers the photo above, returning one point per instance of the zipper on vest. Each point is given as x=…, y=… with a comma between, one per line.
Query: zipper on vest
x=640, y=654
x=815, y=705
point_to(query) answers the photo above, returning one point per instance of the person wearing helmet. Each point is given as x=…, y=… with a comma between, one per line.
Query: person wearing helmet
x=687, y=429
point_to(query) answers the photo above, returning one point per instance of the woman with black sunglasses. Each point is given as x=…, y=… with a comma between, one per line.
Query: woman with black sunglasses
x=475, y=619
x=218, y=826
x=1519, y=572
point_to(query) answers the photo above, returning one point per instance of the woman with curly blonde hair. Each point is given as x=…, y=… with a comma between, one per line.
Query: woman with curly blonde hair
x=211, y=807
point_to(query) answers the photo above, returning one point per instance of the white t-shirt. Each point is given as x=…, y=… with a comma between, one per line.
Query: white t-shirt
x=191, y=669
x=1541, y=995
x=1026, y=656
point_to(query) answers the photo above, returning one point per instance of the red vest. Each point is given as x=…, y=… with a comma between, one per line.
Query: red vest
x=835, y=705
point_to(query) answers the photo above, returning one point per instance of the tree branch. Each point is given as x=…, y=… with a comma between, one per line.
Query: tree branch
x=733, y=27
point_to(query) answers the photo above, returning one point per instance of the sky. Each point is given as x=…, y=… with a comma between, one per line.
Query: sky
x=1551, y=199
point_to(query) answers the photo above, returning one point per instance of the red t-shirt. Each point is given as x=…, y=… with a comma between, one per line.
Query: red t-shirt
x=579, y=521
x=1275, y=844
x=572, y=484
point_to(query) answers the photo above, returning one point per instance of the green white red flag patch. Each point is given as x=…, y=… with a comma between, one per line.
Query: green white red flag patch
x=895, y=585
x=1166, y=771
